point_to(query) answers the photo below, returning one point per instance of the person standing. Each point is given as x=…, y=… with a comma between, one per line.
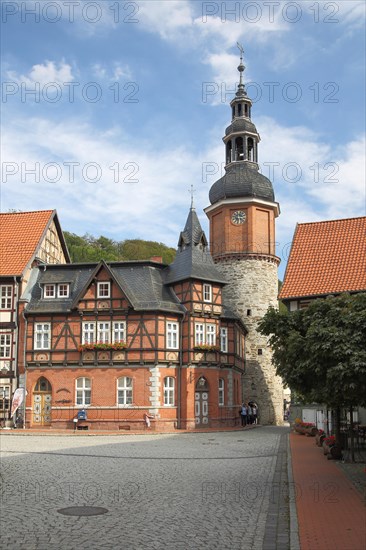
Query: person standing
x=254, y=413
x=244, y=414
x=249, y=414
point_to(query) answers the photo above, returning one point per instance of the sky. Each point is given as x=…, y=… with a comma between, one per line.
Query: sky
x=112, y=110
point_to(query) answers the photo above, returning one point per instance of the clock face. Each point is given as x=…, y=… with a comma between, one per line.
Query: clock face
x=238, y=217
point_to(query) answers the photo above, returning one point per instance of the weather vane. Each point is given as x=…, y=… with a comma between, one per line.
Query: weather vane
x=191, y=191
x=241, y=50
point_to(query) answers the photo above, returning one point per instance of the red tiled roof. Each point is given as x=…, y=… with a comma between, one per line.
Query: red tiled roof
x=326, y=257
x=20, y=234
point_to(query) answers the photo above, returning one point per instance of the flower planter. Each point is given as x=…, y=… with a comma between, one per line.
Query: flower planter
x=311, y=432
x=335, y=452
x=319, y=438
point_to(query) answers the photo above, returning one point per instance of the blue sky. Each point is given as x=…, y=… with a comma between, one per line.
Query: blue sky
x=112, y=110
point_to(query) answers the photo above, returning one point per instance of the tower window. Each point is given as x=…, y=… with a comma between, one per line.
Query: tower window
x=239, y=109
x=228, y=152
x=246, y=110
x=239, y=148
x=249, y=312
x=260, y=351
x=233, y=109
x=250, y=148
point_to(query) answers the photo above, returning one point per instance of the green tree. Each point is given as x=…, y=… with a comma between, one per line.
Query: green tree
x=320, y=351
x=91, y=249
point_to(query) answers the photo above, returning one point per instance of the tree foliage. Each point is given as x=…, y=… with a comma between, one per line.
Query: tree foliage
x=320, y=351
x=91, y=249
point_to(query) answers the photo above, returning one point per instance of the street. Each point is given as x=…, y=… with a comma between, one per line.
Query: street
x=219, y=490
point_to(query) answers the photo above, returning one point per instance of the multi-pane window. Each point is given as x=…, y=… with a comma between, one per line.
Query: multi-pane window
x=104, y=331
x=172, y=334
x=223, y=339
x=205, y=334
x=83, y=391
x=4, y=398
x=169, y=390
x=221, y=392
x=119, y=331
x=199, y=334
x=211, y=335
x=49, y=291
x=104, y=289
x=42, y=336
x=124, y=389
x=207, y=293
x=63, y=290
x=5, y=296
x=88, y=333
x=5, y=346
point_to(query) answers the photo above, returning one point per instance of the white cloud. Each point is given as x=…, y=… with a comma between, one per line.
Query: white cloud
x=45, y=73
x=112, y=72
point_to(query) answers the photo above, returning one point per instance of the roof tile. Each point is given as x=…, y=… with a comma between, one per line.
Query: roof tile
x=21, y=232
x=326, y=257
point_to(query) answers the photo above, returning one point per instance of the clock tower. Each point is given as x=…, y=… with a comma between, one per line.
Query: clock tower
x=242, y=233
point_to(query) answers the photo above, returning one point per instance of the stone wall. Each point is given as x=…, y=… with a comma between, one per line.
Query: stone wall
x=252, y=289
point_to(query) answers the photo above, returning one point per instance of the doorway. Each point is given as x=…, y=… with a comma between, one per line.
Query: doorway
x=201, y=402
x=42, y=402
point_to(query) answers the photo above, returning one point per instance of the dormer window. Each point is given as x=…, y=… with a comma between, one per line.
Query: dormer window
x=49, y=291
x=104, y=289
x=63, y=290
x=207, y=293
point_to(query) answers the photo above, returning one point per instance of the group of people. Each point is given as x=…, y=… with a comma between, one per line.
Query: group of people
x=248, y=413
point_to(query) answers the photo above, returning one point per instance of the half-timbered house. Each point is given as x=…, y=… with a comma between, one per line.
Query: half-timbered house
x=25, y=238
x=133, y=343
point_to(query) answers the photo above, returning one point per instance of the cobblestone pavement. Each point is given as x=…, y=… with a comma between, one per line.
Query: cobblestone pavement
x=222, y=490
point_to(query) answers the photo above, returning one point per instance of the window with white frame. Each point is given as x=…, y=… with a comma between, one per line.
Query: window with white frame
x=5, y=346
x=42, y=336
x=172, y=335
x=88, y=336
x=104, y=289
x=169, y=384
x=63, y=290
x=6, y=296
x=223, y=339
x=221, y=392
x=4, y=398
x=205, y=334
x=49, y=291
x=124, y=390
x=83, y=391
x=211, y=335
x=103, y=333
x=199, y=332
x=207, y=293
x=119, y=331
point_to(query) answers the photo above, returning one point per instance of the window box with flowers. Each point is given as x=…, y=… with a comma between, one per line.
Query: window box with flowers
x=205, y=352
x=117, y=346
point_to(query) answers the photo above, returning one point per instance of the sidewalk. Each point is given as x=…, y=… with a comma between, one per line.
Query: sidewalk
x=331, y=512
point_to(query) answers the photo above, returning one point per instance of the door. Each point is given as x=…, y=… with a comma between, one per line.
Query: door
x=42, y=403
x=201, y=403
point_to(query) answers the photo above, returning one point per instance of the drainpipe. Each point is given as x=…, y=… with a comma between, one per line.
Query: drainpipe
x=179, y=389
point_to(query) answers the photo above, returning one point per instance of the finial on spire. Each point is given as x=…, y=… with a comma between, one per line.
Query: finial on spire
x=241, y=67
x=192, y=191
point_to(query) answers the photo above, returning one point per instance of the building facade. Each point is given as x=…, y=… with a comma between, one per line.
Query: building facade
x=133, y=343
x=26, y=238
x=242, y=217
